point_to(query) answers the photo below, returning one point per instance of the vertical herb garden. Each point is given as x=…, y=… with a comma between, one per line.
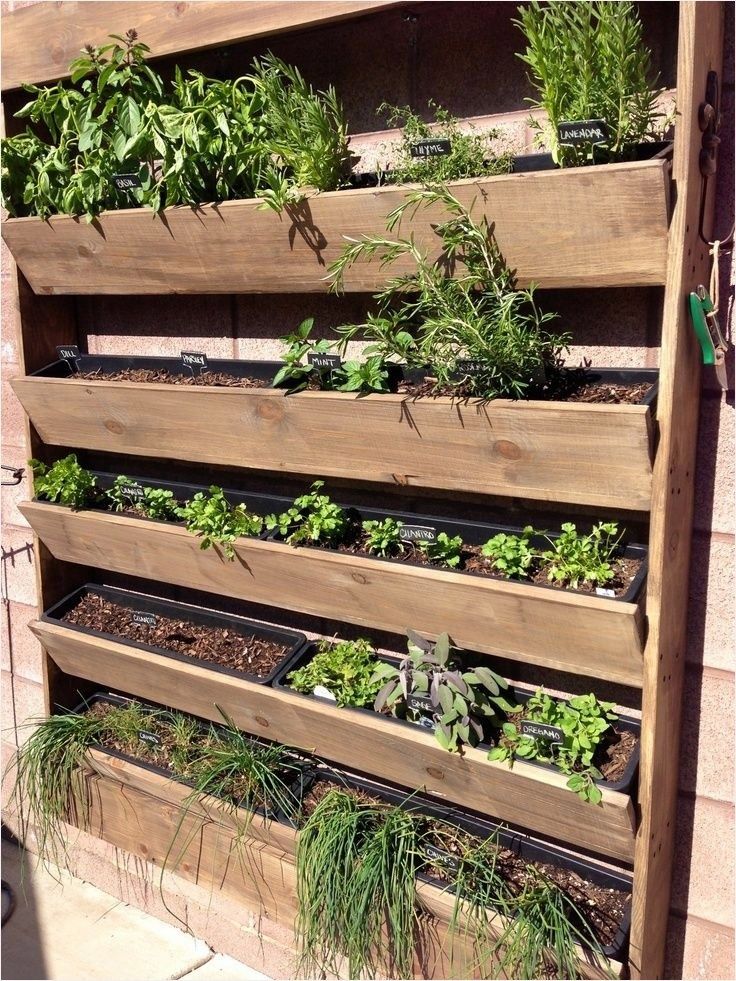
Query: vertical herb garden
x=369, y=635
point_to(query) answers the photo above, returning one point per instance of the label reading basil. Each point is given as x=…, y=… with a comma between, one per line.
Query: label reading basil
x=193, y=360
x=67, y=352
x=145, y=619
x=420, y=703
x=329, y=361
x=579, y=131
x=540, y=730
x=469, y=367
x=148, y=737
x=417, y=533
x=444, y=859
x=126, y=182
x=431, y=148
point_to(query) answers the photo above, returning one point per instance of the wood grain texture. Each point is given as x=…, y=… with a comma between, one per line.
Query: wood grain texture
x=572, y=632
x=40, y=41
x=581, y=454
x=604, y=226
x=528, y=796
x=140, y=812
x=700, y=50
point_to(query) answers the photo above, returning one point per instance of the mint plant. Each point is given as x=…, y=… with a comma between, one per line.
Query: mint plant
x=511, y=554
x=212, y=518
x=313, y=518
x=443, y=550
x=462, y=703
x=296, y=373
x=65, y=482
x=576, y=558
x=346, y=668
x=366, y=376
x=382, y=537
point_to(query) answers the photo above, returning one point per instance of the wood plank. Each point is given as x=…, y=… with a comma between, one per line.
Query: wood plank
x=567, y=631
x=528, y=796
x=604, y=226
x=700, y=51
x=582, y=454
x=39, y=42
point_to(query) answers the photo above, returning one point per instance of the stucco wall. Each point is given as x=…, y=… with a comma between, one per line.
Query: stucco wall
x=463, y=61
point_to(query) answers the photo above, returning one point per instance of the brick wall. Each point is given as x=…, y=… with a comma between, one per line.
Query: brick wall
x=616, y=327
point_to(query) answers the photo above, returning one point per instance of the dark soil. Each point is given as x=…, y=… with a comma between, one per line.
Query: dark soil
x=217, y=379
x=228, y=648
x=572, y=388
x=320, y=788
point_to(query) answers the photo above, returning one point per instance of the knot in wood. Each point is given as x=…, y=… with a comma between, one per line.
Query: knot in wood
x=270, y=409
x=507, y=449
x=85, y=251
x=434, y=771
x=359, y=578
x=262, y=722
x=113, y=426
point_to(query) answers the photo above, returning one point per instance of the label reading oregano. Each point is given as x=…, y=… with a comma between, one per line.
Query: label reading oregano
x=330, y=362
x=580, y=131
x=144, y=619
x=431, y=148
x=417, y=533
x=148, y=737
x=442, y=858
x=540, y=730
x=195, y=361
x=126, y=182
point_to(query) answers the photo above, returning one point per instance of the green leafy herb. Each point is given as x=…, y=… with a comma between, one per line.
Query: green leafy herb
x=444, y=550
x=511, y=554
x=382, y=537
x=312, y=518
x=156, y=503
x=345, y=669
x=66, y=482
x=212, y=518
x=576, y=558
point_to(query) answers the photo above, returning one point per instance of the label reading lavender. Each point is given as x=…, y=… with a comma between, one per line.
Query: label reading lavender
x=578, y=131
x=444, y=859
x=144, y=619
x=431, y=148
x=148, y=737
x=68, y=352
x=196, y=361
x=126, y=182
x=540, y=730
x=417, y=533
x=330, y=362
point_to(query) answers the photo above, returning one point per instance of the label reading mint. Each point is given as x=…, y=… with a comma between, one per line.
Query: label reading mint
x=539, y=730
x=196, y=361
x=329, y=362
x=68, y=352
x=431, y=148
x=420, y=703
x=417, y=533
x=580, y=131
x=144, y=619
x=126, y=182
x=148, y=737
x=444, y=859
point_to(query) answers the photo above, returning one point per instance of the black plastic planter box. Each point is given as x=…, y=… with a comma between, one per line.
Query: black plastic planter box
x=531, y=849
x=143, y=603
x=303, y=656
x=528, y=162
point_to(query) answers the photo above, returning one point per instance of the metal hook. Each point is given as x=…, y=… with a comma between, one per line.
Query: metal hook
x=17, y=473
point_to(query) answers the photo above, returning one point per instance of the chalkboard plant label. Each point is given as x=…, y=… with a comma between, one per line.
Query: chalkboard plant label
x=417, y=533
x=68, y=353
x=126, y=182
x=325, y=362
x=431, y=148
x=144, y=619
x=196, y=361
x=133, y=491
x=148, y=737
x=419, y=703
x=469, y=367
x=442, y=858
x=578, y=132
x=540, y=730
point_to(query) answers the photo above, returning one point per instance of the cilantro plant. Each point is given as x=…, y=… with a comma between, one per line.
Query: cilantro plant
x=212, y=518
x=314, y=518
x=462, y=703
x=346, y=669
x=65, y=482
x=511, y=554
x=382, y=537
x=576, y=558
x=156, y=503
x=470, y=152
x=443, y=550
x=584, y=721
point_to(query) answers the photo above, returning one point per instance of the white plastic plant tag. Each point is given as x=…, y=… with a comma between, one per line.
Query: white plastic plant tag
x=600, y=591
x=321, y=692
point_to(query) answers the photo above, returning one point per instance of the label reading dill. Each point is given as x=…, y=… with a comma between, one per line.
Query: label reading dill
x=579, y=131
x=417, y=533
x=540, y=730
x=438, y=857
x=148, y=737
x=329, y=362
x=68, y=352
x=194, y=360
x=144, y=619
x=431, y=148
x=126, y=182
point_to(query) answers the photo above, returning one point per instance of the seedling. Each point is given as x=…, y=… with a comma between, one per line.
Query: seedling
x=345, y=668
x=576, y=558
x=156, y=503
x=511, y=554
x=212, y=518
x=382, y=537
x=65, y=482
x=444, y=550
x=313, y=518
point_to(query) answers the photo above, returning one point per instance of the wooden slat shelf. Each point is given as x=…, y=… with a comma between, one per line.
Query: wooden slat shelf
x=528, y=796
x=53, y=33
x=574, y=452
x=575, y=632
x=139, y=811
x=604, y=226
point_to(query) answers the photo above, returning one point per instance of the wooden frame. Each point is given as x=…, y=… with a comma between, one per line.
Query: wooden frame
x=575, y=632
x=528, y=796
x=615, y=219
x=574, y=452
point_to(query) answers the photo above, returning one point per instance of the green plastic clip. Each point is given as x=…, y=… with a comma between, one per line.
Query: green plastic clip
x=708, y=332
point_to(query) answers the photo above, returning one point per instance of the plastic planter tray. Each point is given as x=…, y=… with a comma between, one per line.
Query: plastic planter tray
x=528, y=162
x=293, y=640
x=305, y=654
x=532, y=849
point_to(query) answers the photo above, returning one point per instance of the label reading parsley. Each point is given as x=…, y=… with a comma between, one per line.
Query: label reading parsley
x=539, y=730
x=126, y=182
x=417, y=533
x=325, y=362
x=431, y=148
x=148, y=737
x=144, y=619
x=444, y=859
x=579, y=131
x=69, y=353
x=195, y=361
